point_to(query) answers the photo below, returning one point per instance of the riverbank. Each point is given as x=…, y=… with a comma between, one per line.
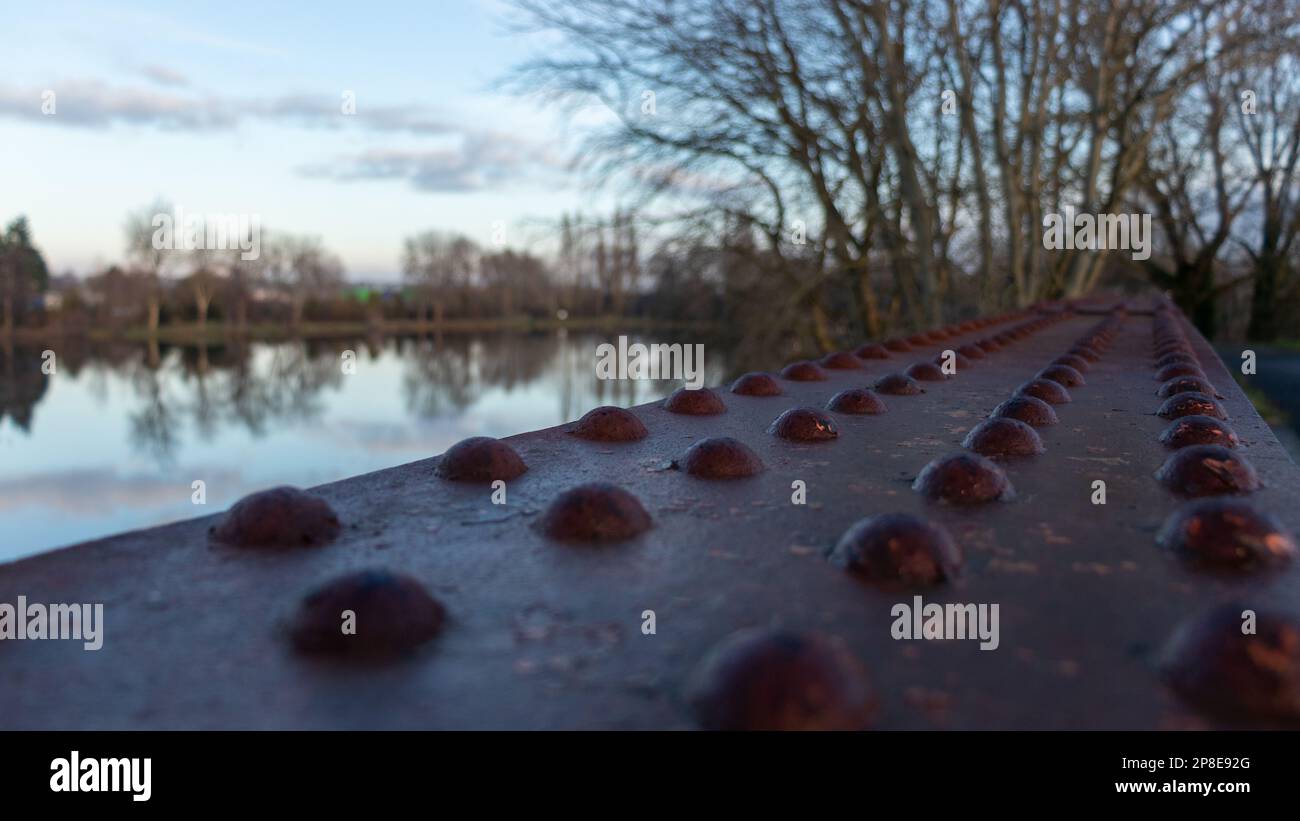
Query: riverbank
x=212, y=333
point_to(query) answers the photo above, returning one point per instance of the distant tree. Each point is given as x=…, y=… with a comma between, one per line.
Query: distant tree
x=245, y=275
x=302, y=268
x=626, y=259
x=22, y=270
x=440, y=266
x=517, y=280
x=1195, y=186
x=208, y=270
x=154, y=261
x=1271, y=134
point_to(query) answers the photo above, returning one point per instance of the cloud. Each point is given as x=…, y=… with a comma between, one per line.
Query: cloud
x=164, y=76
x=315, y=111
x=483, y=160
x=91, y=104
x=465, y=159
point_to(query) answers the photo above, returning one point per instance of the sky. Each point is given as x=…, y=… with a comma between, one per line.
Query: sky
x=237, y=108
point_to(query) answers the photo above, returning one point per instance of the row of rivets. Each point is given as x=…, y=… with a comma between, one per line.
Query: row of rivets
x=1210, y=660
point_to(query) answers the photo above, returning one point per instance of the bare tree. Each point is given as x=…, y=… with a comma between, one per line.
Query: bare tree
x=893, y=151
x=1271, y=134
x=516, y=279
x=153, y=259
x=208, y=269
x=440, y=266
x=1196, y=186
x=300, y=268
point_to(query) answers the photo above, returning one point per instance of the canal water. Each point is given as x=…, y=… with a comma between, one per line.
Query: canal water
x=115, y=438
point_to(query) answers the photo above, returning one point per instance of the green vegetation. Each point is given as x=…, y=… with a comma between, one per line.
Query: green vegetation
x=1268, y=410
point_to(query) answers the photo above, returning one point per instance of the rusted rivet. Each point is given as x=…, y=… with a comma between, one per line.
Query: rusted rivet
x=803, y=372
x=872, y=351
x=278, y=518
x=1028, y=409
x=1184, y=384
x=1053, y=393
x=856, y=400
x=392, y=614
x=898, y=384
x=1084, y=351
x=1077, y=362
x=1062, y=375
x=764, y=679
x=971, y=351
x=1176, y=358
x=1207, y=470
x=841, y=361
x=919, y=340
x=609, y=424
x=926, y=372
x=595, y=512
x=720, y=457
x=1185, y=355
x=1003, y=436
x=896, y=344
x=756, y=383
x=989, y=345
x=698, y=402
x=1216, y=666
x=480, y=459
x=1198, y=430
x=1226, y=533
x=1179, y=369
x=1191, y=404
x=804, y=425
x=898, y=548
x=1096, y=342
x=963, y=479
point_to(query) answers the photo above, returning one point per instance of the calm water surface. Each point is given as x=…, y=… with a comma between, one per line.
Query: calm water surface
x=114, y=439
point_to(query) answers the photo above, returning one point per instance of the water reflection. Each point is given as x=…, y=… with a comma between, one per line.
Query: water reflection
x=22, y=384
x=117, y=435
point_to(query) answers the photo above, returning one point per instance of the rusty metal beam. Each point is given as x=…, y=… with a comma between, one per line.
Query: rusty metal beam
x=529, y=614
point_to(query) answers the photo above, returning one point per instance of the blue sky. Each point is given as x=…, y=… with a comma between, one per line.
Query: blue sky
x=234, y=107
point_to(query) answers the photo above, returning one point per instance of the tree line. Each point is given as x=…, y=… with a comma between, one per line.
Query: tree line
x=891, y=164
x=297, y=279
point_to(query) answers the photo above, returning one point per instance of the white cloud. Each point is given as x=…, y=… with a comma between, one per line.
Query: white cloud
x=480, y=162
